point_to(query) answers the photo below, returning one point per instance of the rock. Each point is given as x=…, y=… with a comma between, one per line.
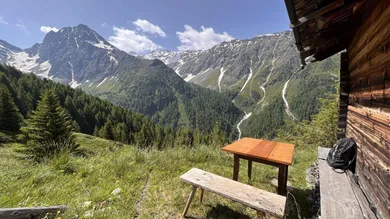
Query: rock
x=116, y=191
x=274, y=182
x=88, y=214
x=87, y=204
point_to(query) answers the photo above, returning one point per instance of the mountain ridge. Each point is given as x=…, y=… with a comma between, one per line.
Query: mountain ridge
x=80, y=57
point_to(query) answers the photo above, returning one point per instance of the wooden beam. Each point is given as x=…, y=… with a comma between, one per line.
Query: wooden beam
x=317, y=13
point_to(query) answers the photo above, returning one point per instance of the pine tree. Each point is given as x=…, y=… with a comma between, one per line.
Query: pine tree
x=197, y=137
x=10, y=117
x=218, y=137
x=49, y=128
x=107, y=131
x=96, y=131
x=121, y=133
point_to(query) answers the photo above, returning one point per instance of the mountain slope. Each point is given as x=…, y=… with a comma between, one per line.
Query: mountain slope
x=80, y=57
x=254, y=74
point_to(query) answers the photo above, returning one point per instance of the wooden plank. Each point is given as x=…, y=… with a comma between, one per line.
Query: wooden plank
x=377, y=19
x=369, y=191
x=255, y=198
x=318, y=12
x=361, y=198
x=338, y=200
x=29, y=212
x=323, y=152
x=276, y=152
x=282, y=153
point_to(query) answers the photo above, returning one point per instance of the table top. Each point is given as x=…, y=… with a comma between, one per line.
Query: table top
x=273, y=151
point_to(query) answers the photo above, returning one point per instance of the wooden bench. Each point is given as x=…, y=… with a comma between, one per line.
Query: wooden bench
x=341, y=197
x=30, y=213
x=265, y=203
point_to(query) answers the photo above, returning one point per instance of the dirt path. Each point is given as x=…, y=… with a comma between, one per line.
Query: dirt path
x=138, y=204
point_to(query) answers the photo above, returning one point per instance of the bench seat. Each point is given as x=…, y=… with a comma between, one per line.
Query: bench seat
x=266, y=202
x=338, y=192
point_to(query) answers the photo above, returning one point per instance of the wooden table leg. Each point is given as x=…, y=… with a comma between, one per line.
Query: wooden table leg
x=282, y=180
x=189, y=200
x=249, y=169
x=236, y=167
x=201, y=195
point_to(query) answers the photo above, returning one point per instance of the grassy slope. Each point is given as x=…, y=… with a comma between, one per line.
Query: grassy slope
x=109, y=165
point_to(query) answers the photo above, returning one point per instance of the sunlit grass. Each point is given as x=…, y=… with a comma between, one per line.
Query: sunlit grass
x=76, y=180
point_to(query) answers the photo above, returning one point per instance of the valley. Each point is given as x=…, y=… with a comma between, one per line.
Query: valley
x=239, y=83
x=261, y=76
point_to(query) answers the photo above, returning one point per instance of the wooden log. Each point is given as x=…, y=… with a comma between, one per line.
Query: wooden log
x=30, y=212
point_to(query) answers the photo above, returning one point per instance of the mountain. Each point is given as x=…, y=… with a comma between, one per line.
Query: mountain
x=262, y=76
x=80, y=57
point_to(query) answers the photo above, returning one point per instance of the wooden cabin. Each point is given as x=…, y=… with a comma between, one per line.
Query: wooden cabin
x=360, y=31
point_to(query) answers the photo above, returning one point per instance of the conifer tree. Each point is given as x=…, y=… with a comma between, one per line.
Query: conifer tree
x=96, y=131
x=107, y=131
x=121, y=133
x=10, y=117
x=49, y=128
x=218, y=137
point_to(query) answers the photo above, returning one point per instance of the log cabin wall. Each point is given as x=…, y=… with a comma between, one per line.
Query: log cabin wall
x=368, y=117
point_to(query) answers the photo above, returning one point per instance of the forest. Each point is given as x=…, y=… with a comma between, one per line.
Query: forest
x=94, y=116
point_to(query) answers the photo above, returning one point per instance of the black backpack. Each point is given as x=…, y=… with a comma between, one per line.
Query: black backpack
x=343, y=155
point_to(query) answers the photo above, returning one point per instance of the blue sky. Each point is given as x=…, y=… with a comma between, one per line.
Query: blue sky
x=144, y=25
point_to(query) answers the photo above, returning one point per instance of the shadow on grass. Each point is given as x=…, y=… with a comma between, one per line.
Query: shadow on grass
x=302, y=203
x=221, y=212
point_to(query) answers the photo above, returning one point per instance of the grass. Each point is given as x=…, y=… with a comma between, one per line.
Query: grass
x=149, y=181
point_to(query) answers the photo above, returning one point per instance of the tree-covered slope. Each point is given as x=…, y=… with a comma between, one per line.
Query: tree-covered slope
x=262, y=76
x=80, y=57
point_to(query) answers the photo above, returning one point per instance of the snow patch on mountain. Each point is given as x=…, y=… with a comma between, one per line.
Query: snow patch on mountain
x=100, y=45
x=222, y=72
x=102, y=82
x=189, y=77
x=285, y=101
x=73, y=83
x=25, y=63
x=248, y=79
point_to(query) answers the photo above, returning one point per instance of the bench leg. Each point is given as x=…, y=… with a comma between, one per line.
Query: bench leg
x=201, y=195
x=189, y=200
x=236, y=167
x=249, y=169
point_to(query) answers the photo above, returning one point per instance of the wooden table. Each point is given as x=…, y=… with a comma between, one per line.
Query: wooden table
x=267, y=152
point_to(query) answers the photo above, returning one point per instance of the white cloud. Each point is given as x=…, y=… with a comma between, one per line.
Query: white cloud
x=2, y=21
x=47, y=29
x=104, y=25
x=147, y=27
x=131, y=41
x=206, y=38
